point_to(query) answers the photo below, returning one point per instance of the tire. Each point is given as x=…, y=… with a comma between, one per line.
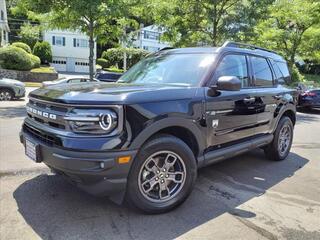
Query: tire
x=278, y=150
x=148, y=167
x=6, y=95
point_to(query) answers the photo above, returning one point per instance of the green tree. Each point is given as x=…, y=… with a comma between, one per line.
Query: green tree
x=89, y=16
x=290, y=24
x=190, y=22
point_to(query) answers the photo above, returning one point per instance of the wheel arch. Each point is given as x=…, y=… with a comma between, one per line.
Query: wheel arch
x=9, y=89
x=186, y=130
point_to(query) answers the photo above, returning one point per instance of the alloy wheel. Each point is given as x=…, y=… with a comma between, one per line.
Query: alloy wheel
x=5, y=96
x=162, y=176
x=284, y=140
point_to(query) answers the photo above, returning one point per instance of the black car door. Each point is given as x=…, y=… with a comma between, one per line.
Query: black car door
x=267, y=95
x=230, y=115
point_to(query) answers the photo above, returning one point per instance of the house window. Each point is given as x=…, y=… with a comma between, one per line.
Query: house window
x=2, y=15
x=151, y=35
x=58, y=41
x=59, y=62
x=82, y=63
x=83, y=43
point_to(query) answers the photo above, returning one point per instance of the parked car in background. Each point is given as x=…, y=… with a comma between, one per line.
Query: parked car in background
x=69, y=80
x=11, y=89
x=309, y=98
x=105, y=76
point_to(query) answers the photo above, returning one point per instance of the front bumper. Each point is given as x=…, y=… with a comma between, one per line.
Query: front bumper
x=97, y=172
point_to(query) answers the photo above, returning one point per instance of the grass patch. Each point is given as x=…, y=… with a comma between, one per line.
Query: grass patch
x=32, y=84
x=43, y=70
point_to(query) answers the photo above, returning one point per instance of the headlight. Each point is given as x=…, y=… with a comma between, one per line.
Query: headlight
x=92, y=121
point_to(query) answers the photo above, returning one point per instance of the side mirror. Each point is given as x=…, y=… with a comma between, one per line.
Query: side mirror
x=229, y=83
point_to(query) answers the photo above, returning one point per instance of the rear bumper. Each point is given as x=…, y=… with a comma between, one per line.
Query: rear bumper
x=98, y=173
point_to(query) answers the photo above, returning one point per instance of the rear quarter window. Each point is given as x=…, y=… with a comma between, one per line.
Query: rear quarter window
x=282, y=72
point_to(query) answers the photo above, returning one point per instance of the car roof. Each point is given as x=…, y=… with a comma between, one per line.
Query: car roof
x=221, y=50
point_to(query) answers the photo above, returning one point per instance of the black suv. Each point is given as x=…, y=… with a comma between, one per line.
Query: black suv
x=144, y=137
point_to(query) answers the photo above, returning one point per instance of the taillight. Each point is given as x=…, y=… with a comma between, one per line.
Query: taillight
x=309, y=94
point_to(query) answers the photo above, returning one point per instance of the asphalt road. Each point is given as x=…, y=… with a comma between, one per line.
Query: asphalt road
x=247, y=197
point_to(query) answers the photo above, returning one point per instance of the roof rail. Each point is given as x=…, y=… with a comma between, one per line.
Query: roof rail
x=165, y=48
x=245, y=45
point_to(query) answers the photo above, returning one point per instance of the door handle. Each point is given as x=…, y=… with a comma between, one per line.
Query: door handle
x=277, y=97
x=249, y=100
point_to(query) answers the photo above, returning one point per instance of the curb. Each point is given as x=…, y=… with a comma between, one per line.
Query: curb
x=9, y=173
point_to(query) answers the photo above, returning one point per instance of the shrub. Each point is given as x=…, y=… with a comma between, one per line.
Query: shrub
x=113, y=69
x=296, y=76
x=114, y=56
x=15, y=58
x=43, y=51
x=35, y=61
x=102, y=62
x=22, y=45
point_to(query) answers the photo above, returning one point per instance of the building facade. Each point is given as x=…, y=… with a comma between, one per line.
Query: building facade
x=70, y=50
x=149, y=38
x=4, y=27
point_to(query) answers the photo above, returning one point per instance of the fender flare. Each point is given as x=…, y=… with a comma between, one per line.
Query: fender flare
x=170, y=122
x=287, y=107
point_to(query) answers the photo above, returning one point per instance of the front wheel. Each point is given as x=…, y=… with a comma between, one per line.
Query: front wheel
x=280, y=147
x=6, y=95
x=162, y=175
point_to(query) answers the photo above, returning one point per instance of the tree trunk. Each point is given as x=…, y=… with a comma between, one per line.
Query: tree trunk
x=91, y=47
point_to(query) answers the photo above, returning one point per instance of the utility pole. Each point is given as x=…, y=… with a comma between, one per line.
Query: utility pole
x=124, y=45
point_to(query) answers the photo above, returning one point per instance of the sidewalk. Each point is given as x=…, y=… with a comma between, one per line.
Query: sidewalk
x=12, y=158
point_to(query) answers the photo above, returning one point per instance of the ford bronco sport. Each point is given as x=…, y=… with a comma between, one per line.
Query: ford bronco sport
x=144, y=137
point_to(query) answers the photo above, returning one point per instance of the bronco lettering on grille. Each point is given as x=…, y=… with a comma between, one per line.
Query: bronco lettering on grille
x=41, y=113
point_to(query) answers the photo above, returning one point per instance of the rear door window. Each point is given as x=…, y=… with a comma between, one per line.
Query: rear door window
x=261, y=72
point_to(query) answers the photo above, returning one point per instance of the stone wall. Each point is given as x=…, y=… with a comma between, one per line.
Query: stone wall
x=27, y=76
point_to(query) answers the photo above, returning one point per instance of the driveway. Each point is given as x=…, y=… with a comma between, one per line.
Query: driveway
x=247, y=197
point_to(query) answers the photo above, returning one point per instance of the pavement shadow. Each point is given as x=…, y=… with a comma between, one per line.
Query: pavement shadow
x=13, y=112
x=309, y=110
x=57, y=210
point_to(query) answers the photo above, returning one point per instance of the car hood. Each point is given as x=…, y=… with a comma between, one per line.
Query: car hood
x=11, y=81
x=111, y=93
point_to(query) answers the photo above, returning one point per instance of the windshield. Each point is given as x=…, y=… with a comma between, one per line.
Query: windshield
x=170, y=69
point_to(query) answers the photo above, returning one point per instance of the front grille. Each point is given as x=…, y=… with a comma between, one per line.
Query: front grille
x=42, y=136
x=37, y=109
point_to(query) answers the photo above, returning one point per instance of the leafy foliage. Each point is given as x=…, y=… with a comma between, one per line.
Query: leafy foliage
x=43, y=51
x=15, y=58
x=22, y=45
x=103, y=62
x=288, y=25
x=29, y=34
x=114, y=56
x=35, y=60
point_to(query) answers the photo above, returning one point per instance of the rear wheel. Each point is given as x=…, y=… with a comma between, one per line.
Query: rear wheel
x=162, y=175
x=6, y=95
x=280, y=147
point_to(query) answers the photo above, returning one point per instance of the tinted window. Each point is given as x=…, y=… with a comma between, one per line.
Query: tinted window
x=75, y=80
x=283, y=68
x=234, y=65
x=262, y=72
x=170, y=69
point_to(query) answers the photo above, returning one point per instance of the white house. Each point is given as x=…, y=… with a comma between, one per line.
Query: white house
x=70, y=50
x=149, y=39
x=4, y=27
